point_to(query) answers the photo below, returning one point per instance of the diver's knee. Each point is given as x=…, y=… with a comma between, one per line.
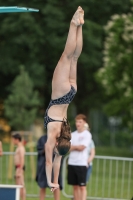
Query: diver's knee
x=75, y=58
x=66, y=55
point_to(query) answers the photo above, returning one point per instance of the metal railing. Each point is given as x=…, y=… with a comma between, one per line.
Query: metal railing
x=7, y=172
x=111, y=179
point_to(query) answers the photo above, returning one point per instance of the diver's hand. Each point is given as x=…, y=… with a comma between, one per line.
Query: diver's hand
x=53, y=186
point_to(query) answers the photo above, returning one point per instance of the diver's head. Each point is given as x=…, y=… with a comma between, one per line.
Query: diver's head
x=63, y=142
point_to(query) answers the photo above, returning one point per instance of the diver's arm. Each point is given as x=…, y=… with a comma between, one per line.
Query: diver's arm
x=56, y=167
x=49, y=146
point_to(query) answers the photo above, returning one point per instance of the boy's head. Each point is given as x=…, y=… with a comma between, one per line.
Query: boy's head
x=16, y=138
x=80, y=122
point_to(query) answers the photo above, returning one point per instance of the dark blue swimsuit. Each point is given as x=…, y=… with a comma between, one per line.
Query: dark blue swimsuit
x=66, y=99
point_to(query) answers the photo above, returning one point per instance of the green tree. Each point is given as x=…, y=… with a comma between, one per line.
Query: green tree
x=116, y=75
x=21, y=104
x=36, y=40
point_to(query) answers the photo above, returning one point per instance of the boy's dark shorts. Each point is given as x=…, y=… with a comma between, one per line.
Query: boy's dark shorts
x=77, y=175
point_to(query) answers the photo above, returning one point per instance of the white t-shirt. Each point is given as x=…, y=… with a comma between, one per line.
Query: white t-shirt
x=80, y=158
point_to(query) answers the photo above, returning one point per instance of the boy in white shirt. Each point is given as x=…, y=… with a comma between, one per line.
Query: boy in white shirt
x=78, y=158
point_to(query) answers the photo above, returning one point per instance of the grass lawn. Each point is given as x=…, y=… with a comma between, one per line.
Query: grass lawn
x=109, y=179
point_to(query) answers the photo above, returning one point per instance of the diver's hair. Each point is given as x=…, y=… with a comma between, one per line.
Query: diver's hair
x=17, y=136
x=64, y=138
x=81, y=116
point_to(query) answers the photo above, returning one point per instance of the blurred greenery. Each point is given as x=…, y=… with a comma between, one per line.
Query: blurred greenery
x=116, y=75
x=21, y=104
x=36, y=41
x=122, y=139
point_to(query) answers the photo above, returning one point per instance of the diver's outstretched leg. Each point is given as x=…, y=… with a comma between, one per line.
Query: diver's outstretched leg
x=61, y=77
x=78, y=50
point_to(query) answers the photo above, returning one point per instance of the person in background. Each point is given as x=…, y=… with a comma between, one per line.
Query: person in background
x=78, y=158
x=41, y=171
x=19, y=162
x=1, y=150
x=91, y=155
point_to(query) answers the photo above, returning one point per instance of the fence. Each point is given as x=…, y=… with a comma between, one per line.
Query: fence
x=111, y=179
x=7, y=171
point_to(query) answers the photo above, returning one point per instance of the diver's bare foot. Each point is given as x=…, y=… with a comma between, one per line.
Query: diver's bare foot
x=76, y=18
x=81, y=15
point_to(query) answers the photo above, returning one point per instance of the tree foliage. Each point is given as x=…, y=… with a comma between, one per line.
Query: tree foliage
x=36, y=40
x=116, y=75
x=21, y=104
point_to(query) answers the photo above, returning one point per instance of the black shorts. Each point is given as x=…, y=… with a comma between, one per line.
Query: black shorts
x=77, y=175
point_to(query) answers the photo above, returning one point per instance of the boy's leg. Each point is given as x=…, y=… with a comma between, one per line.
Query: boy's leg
x=20, y=181
x=42, y=193
x=23, y=193
x=76, y=192
x=57, y=194
x=83, y=192
x=81, y=176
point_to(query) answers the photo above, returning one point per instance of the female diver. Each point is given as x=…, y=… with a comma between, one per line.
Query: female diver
x=63, y=91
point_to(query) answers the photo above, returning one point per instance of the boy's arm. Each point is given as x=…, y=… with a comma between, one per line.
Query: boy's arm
x=92, y=155
x=85, y=142
x=77, y=147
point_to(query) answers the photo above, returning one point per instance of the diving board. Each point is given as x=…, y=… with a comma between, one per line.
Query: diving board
x=12, y=9
x=10, y=192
